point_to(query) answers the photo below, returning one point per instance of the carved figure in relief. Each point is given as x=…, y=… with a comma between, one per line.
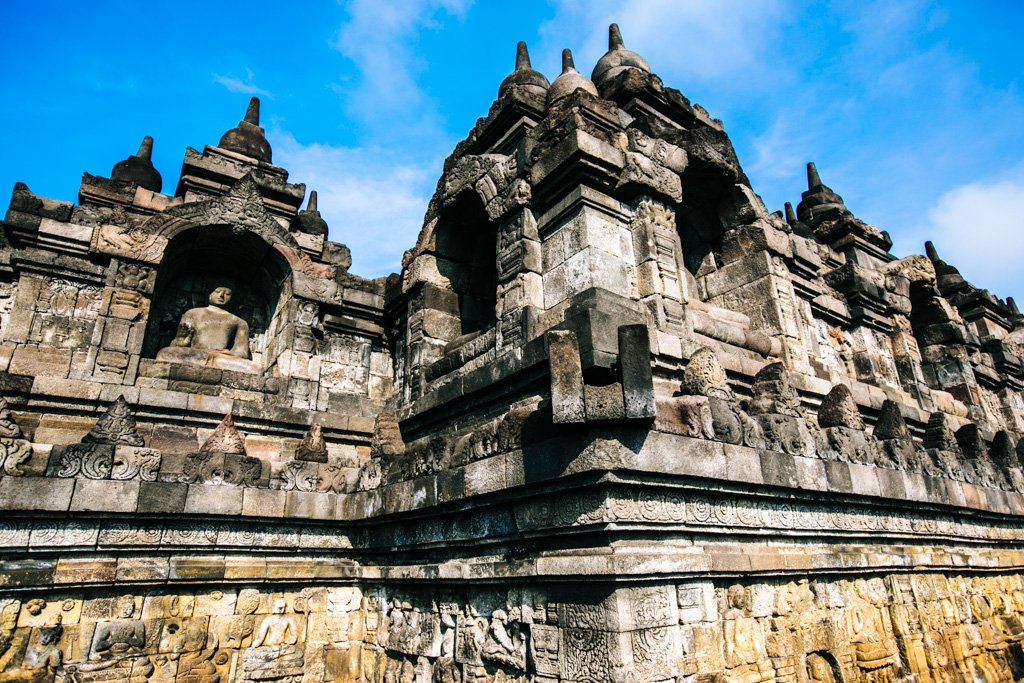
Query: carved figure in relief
x=505, y=643
x=445, y=669
x=212, y=336
x=274, y=653
x=116, y=639
x=877, y=655
x=746, y=655
x=41, y=660
x=819, y=670
x=707, y=406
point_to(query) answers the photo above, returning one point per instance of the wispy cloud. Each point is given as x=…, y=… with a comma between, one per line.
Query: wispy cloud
x=247, y=86
x=380, y=39
x=372, y=201
x=977, y=228
x=707, y=40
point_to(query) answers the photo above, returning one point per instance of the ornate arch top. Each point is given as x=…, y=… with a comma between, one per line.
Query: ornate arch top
x=241, y=208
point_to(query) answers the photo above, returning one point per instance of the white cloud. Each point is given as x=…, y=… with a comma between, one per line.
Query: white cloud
x=235, y=84
x=380, y=38
x=371, y=201
x=705, y=40
x=979, y=229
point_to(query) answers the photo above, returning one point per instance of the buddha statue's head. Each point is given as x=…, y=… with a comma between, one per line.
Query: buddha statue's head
x=221, y=296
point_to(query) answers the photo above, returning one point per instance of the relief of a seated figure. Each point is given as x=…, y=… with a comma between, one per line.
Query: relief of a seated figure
x=211, y=336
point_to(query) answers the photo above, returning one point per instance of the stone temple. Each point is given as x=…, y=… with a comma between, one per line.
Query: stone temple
x=614, y=421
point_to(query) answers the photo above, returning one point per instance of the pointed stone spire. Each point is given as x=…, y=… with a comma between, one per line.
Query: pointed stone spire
x=939, y=433
x=790, y=214
x=115, y=426
x=774, y=393
x=313, y=447
x=146, y=149
x=819, y=201
x=247, y=137
x=310, y=221
x=617, y=60
x=813, y=179
x=139, y=168
x=570, y=81
x=225, y=439
x=705, y=376
x=891, y=424
x=524, y=76
x=947, y=277
x=970, y=440
x=838, y=409
x=522, y=56
x=1013, y=306
x=252, y=112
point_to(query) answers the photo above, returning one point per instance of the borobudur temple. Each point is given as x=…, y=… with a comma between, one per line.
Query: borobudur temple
x=614, y=421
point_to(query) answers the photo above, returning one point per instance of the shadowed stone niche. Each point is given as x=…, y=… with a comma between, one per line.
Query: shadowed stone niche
x=216, y=297
x=466, y=245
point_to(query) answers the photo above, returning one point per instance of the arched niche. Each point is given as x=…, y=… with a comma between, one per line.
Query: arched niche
x=698, y=217
x=465, y=245
x=200, y=259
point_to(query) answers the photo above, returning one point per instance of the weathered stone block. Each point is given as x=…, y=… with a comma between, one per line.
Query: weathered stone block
x=35, y=493
x=38, y=360
x=162, y=497
x=105, y=496
x=203, y=499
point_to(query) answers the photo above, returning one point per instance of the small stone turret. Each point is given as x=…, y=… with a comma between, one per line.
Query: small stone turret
x=569, y=82
x=247, y=137
x=310, y=221
x=524, y=76
x=790, y=215
x=819, y=201
x=617, y=59
x=139, y=168
x=947, y=277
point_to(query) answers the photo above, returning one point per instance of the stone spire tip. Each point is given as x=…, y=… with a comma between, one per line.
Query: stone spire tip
x=931, y=252
x=790, y=214
x=252, y=113
x=567, y=64
x=522, y=56
x=146, y=148
x=614, y=38
x=311, y=204
x=813, y=179
x=1012, y=305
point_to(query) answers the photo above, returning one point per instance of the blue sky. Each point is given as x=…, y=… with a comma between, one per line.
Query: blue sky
x=913, y=111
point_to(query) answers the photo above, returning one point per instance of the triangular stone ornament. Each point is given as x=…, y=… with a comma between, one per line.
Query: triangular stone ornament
x=313, y=447
x=242, y=208
x=115, y=426
x=225, y=439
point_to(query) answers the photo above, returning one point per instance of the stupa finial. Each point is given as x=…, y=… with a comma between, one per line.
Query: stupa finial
x=522, y=56
x=813, y=179
x=567, y=64
x=146, y=149
x=252, y=112
x=615, y=38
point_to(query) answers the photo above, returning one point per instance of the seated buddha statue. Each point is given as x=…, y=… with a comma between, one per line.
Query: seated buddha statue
x=211, y=336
